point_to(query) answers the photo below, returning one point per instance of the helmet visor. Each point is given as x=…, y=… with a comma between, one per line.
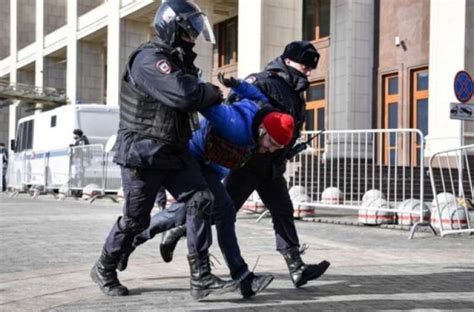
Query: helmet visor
x=198, y=25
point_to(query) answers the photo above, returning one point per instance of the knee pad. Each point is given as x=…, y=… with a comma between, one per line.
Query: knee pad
x=200, y=204
x=133, y=226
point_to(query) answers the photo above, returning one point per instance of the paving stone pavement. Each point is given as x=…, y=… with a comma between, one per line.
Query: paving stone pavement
x=48, y=247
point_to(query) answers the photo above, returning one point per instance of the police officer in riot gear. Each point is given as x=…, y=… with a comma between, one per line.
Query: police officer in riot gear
x=160, y=90
x=283, y=81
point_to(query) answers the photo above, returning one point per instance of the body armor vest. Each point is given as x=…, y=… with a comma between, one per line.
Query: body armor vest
x=224, y=153
x=145, y=115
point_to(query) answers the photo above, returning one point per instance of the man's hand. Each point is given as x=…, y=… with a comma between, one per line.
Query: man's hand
x=228, y=82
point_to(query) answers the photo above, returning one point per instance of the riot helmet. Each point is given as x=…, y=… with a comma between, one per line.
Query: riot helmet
x=176, y=18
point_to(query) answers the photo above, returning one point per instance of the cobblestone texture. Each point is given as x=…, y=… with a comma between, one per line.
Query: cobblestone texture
x=48, y=247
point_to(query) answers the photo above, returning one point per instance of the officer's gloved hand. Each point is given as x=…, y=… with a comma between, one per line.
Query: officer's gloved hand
x=228, y=82
x=218, y=96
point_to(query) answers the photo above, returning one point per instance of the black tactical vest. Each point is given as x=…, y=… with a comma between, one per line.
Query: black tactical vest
x=145, y=115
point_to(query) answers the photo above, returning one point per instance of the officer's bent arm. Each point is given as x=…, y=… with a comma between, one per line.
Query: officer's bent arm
x=175, y=88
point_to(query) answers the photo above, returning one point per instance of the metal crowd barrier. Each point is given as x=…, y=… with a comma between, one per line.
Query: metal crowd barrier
x=340, y=167
x=73, y=168
x=453, y=197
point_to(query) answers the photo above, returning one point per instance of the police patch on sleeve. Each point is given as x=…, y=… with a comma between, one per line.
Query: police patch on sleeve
x=251, y=79
x=163, y=66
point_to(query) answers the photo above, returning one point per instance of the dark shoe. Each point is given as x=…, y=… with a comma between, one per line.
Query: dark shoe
x=253, y=284
x=123, y=261
x=104, y=274
x=203, y=282
x=170, y=240
x=300, y=272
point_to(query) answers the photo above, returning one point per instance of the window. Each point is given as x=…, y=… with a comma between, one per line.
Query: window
x=226, y=34
x=316, y=18
x=419, y=109
x=24, y=138
x=316, y=108
x=53, y=121
x=390, y=117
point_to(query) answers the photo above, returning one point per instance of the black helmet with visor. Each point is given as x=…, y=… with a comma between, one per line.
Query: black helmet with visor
x=182, y=17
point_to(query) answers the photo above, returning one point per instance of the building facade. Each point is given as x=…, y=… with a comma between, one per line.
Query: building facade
x=384, y=64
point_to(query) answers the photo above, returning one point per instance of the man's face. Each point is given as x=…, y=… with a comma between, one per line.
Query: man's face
x=266, y=144
x=305, y=70
x=75, y=137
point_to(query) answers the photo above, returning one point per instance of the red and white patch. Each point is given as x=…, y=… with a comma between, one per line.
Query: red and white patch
x=251, y=79
x=163, y=66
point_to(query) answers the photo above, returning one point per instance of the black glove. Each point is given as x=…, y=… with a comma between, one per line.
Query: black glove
x=228, y=82
x=218, y=96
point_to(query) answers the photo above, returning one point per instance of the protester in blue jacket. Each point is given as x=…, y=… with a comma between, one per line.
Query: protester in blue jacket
x=228, y=136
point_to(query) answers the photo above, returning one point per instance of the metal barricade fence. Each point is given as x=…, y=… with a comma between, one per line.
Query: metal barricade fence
x=340, y=167
x=87, y=167
x=72, y=168
x=451, y=176
x=112, y=176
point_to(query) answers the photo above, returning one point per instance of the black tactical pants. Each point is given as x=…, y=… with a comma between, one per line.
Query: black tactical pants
x=223, y=215
x=257, y=175
x=140, y=190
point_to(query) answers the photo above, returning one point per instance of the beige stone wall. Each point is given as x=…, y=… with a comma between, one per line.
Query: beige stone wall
x=54, y=15
x=132, y=34
x=4, y=118
x=90, y=72
x=409, y=20
x=26, y=23
x=84, y=6
x=55, y=73
x=5, y=26
x=281, y=24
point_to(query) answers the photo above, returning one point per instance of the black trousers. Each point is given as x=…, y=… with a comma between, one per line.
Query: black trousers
x=257, y=175
x=223, y=216
x=140, y=190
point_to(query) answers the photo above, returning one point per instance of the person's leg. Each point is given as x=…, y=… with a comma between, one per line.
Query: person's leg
x=274, y=194
x=224, y=215
x=189, y=186
x=240, y=184
x=140, y=188
x=174, y=217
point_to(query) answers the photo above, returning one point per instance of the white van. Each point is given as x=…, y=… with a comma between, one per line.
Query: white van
x=42, y=154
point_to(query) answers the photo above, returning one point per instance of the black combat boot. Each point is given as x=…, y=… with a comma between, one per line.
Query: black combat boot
x=123, y=261
x=170, y=240
x=300, y=272
x=203, y=282
x=253, y=284
x=103, y=273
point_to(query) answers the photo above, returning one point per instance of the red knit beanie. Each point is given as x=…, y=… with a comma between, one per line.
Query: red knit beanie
x=279, y=126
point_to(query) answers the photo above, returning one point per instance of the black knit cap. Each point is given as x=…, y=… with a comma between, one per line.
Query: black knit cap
x=302, y=52
x=77, y=132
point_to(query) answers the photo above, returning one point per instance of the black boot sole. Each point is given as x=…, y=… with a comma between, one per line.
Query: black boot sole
x=199, y=294
x=96, y=280
x=165, y=254
x=266, y=281
x=323, y=265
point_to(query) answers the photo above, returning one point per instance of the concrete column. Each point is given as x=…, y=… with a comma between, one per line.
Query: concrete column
x=71, y=75
x=113, y=54
x=39, y=62
x=13, y=61
x=447, y=57
x=351, y=63
x=350, y=70
x=250, y=21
